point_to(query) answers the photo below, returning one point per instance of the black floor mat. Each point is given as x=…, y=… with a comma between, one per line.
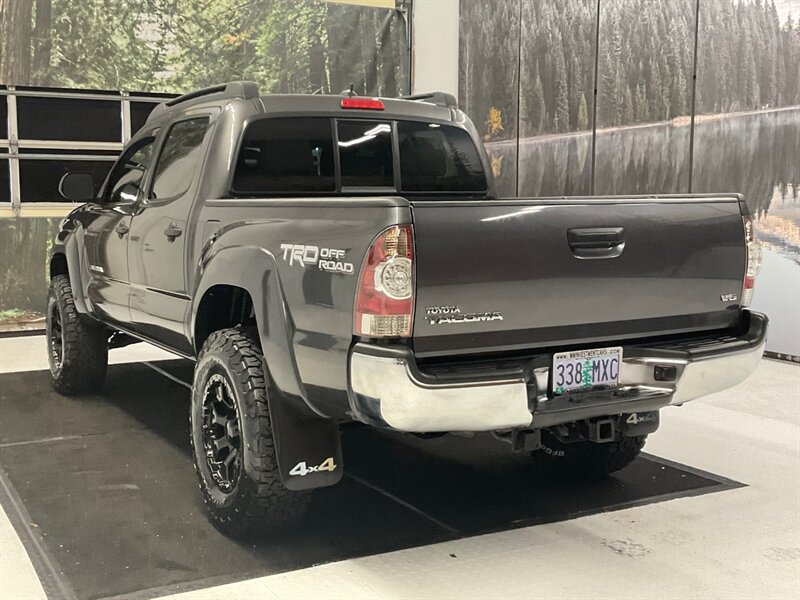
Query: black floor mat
x=102, y=491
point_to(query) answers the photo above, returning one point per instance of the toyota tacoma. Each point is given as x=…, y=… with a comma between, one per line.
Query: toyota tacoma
x=334, y=259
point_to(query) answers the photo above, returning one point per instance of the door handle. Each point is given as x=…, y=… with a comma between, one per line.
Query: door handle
x=122, y=229
x=596, y=242
x=173, y=231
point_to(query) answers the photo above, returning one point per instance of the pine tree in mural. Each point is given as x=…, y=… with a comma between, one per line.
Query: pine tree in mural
x=561, y=112
x=583, y=114
x=640, y=104
x=488, y=62
x=532, y=103
x=15, y=31
x=748, y=59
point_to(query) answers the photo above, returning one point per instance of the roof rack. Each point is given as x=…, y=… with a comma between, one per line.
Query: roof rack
x=234, y=89
x=440, y=98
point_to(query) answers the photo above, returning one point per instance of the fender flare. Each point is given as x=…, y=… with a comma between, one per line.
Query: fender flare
x=255, y=270
x=77, y=268
x=302, y=433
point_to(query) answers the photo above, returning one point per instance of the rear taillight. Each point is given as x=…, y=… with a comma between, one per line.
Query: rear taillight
x=385, y=296
x=753, y=256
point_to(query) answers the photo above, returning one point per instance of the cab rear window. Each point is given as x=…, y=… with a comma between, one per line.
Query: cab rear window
x=438, y=158
x=295, y=155
x=365, y=154
x=286, y=155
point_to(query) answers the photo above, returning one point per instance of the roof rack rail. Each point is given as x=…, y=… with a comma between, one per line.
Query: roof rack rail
x=441, y=98
x=234, y=89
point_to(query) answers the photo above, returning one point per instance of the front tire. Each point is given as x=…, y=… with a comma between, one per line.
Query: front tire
x=232, y=441
x=586, y=459
x=77, y=348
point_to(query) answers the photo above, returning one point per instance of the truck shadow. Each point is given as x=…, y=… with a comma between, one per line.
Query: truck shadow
x=108, y=483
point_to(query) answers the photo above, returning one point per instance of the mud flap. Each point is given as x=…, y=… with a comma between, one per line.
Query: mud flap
x=308, y=447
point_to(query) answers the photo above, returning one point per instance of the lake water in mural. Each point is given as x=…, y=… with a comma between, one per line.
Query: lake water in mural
x=755, y=153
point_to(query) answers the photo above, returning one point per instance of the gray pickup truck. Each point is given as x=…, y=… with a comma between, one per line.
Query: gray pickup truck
x=333, y=259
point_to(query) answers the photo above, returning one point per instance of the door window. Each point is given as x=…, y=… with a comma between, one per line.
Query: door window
x=179, y=158
x=127, y=175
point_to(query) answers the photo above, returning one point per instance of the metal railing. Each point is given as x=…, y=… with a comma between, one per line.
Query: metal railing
x=13, y=148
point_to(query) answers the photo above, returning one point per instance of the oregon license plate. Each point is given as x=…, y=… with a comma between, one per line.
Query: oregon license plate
x=584, y=370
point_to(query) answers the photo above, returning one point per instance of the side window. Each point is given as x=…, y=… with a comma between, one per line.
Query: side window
x=178, y=159
x=365, y=154
x=286, y=155
x=126, y=177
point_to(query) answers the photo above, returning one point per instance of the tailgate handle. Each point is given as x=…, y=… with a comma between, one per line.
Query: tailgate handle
x=596, y=242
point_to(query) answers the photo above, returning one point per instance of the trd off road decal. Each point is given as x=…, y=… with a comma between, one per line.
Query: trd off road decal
x=325, y=259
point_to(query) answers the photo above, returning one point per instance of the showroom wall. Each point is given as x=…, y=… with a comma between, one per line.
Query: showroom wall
x=527, y=74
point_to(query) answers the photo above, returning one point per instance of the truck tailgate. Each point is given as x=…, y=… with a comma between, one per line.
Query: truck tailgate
x=524, y=273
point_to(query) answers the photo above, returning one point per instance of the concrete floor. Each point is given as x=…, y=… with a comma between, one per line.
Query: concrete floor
x=742, y=543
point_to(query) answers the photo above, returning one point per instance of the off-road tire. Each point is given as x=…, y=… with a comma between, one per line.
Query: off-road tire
x=257, y=501
x=586, y=459
x=81, y=366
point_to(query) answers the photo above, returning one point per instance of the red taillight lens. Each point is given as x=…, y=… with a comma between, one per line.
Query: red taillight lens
x=753, y=258
x=385, y=296
x=363, y=103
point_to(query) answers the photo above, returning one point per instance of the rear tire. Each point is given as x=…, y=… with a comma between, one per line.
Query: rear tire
x=77, y=347
x=232, y=442
x=586, y=459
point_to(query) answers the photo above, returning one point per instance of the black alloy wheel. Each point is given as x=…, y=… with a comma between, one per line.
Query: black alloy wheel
x=55, y=338
x=232, y=439
x=221, y=437
x=77, y=346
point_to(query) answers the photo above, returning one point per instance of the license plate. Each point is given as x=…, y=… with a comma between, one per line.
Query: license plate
x=584, y=370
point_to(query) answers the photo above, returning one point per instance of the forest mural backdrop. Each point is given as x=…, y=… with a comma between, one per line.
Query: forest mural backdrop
x=549, y=134
x=289, y=46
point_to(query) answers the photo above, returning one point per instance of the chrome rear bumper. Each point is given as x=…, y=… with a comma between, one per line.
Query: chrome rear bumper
x=388, y=390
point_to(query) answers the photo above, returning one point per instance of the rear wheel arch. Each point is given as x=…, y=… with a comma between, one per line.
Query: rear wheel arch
x=68, y=259
x=58, y=265
x=222, y=306
x=230, y=273
x=254, y=270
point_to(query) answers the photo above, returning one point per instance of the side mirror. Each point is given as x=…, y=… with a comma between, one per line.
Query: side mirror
x=77, y=187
